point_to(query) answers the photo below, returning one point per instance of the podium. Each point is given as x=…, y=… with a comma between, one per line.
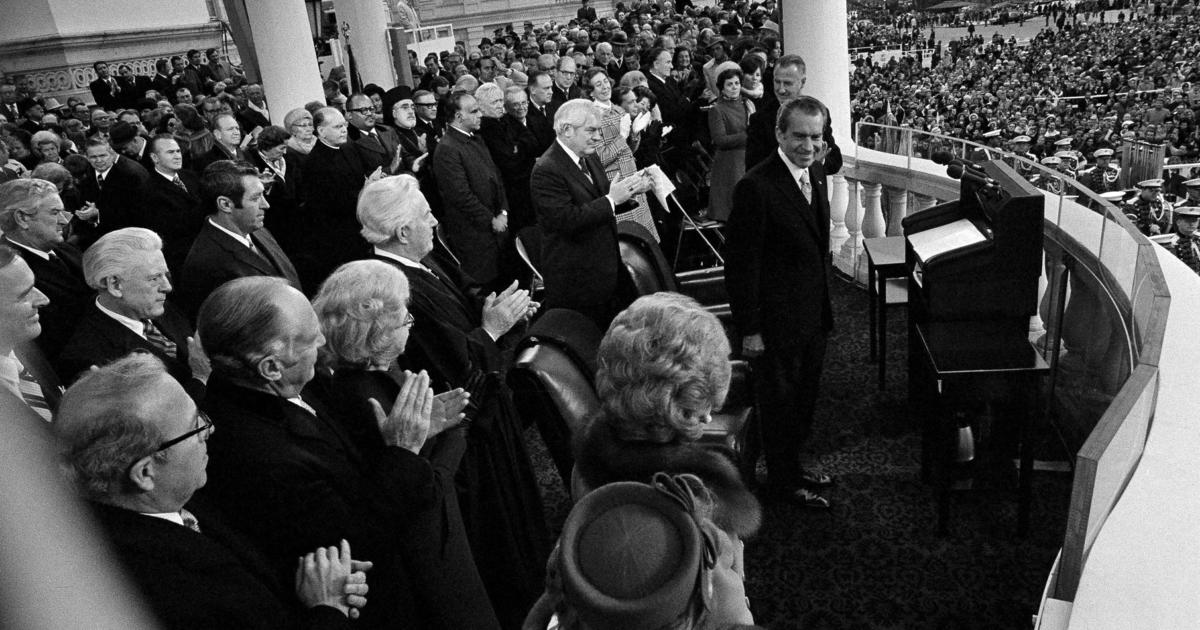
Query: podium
x=973, y=267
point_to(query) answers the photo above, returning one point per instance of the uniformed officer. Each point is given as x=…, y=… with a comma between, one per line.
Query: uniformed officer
x=1148, y=210
x=1193, y=193
x=1102, y=177
x=1046, y=180
x=1020, y=147
x=994, y=141
x=1066, y=162
x=1186, y=243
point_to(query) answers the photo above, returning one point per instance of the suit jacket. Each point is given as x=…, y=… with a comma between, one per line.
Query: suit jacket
x=249, y=119
x=100, y=339
x=105, y=94
x=216, y=154
x=777, y=256
x=376, y=151
x=562, y=96
x=162, y=84
x=176, y=216
x=541, y=124
x=514, y=149
x=330, y=185
x=580, y=259
x=211, y=579
x=36, y=363
x=472, y=195
x=216, y=258
x=62, y=282
x=761, y=142
x=586, y=13
x=284, y=218
x=291, y=481
x=120, y=195
x=671, y=102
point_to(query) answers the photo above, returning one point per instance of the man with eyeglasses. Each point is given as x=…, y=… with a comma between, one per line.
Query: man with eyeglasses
x=377, y=144
x=127, y=270
x=576, y=208
x=425, y=105
x=32, y=219
x=137, y=449
x=565, y=87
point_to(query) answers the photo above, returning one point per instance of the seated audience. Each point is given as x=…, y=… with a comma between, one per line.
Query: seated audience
x=135, y=446
x=29, y=390
x=363, y=315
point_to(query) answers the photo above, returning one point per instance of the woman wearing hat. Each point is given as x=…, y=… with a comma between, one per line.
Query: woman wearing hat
x=663, y=369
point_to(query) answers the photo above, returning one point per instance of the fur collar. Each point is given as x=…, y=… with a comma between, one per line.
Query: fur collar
x=601, y=458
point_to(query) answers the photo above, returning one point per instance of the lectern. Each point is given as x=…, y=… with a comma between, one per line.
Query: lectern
x=973, y=267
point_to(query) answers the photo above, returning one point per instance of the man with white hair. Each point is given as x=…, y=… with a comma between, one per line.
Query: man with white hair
x=456, y=336
x=136, y=448
x=32, y=219
x=131, y=313
x=576, y=208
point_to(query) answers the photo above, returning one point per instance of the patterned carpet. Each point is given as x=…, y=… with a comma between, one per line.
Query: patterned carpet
x=874, y=560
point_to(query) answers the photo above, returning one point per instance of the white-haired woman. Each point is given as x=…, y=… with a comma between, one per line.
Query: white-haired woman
x=363, y=310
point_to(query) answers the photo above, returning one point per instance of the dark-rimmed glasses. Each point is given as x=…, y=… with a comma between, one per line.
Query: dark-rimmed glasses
x=205, y=424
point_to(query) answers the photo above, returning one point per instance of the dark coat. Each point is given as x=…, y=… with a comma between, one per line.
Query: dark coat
x=292, y=482
x=330, y=184
x=777, y=256
x=541, y=123
x=120, y=195
x=561, y=96
x=514, y=149
x=601, y=457
x=216, y=258
x=249, y=119
x=449, y=592
x=35, y=362
x=100, y=339
x=175, y=215
x=472, y=195
x=761, y=143
x=107, y=95
x=62, y=282
x=285, y=217
x=377, y=151
x=212, y=579
x=580, y=259
x=216, y=154
x=672, y=103
x=498, y=492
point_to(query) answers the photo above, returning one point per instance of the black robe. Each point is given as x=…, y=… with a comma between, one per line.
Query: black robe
x=498, y=492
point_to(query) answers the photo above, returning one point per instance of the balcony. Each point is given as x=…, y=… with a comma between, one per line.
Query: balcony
x=1114, y=323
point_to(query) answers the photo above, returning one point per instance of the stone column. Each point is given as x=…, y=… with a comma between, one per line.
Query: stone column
x=816, y=30
x=922, y=202
x=368, y=20
x=847, y=258
x=838, y=198
x=897, y=210
x=282, y=45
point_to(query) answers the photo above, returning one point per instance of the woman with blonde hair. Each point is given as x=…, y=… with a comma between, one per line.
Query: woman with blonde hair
x=299, y=123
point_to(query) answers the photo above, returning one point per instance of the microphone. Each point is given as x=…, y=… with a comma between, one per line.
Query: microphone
x=957, y=171
x=946, y=158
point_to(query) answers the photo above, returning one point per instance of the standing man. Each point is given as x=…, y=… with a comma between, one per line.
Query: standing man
x=776, y=271
x=170, y=202
x=540, y=118
x=586, y=13
x=565, y=87
x=576, y=208
x=232, y=242
x=376, y=143
x=790, y=75
x=475, y=208
x=114, y=183
x=105, y=89
x=227, y=134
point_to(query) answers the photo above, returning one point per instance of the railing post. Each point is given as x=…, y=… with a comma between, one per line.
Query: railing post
x=837, y=211
x=847, y=259
x=872, y=214
x=922, y=202
x=897, y=210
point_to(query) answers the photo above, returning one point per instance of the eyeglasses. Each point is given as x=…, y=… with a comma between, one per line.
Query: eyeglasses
x=425, y=104
x=205, y=424
x=408, y=321
x=364, y=110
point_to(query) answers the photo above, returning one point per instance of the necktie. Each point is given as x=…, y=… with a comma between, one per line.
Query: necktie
x=31, y=391
x=805, y=186
x=179, y=182
x=583, y=167
x=277, y=164
x=100, y=181
x=189, y=520
x=158, y=340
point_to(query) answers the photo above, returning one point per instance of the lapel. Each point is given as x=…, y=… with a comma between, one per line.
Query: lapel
x=793, y=199
x=121, y=337
x=238, y=250
x=32, y=358
x=270, y=248
x=572, y=168
x=373, y=144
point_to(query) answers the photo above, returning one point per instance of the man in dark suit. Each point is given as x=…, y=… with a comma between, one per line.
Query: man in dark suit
x=425, y=105
x=271, y=156
x=232, y=242
x=255, y=114
x=131, y=312
x=161, y=82
x=285, y=469
x=113, y=183
x=790, y=75
x=227, y=145
x=475, y=208
x=540, y=117
x=566, y=85
x=333, y=175
x=521, y=149
x=586, y=13
x=29, y=392
x=170, y=202
x=576, y=208
x=457, y=330
x=675, y=107
x=133, y=86
x=32, y=219
x=776, y=271
x=105, y=89
x=137, y=448
x=376, y=143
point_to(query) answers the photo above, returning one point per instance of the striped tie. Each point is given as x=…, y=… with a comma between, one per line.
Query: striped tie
x=159, y=340
x=31, y=391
